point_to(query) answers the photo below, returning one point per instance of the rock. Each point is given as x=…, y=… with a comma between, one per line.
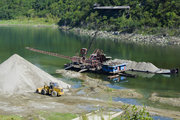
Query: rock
x=134, y=38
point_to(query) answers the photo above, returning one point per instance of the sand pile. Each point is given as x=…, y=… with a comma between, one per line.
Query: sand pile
x=139, y=66
x=17, y=75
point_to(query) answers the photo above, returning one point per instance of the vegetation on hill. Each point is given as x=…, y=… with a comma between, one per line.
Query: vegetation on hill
x=143, y=13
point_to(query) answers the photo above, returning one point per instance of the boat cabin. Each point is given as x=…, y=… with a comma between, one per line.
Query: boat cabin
x=113, y=69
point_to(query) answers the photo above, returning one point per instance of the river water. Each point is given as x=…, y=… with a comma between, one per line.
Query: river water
x=14, y=39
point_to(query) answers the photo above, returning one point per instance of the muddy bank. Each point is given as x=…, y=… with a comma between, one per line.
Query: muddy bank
x=169, y=101
x=32, y=25
x=32, y=103
x=95, y=88
x=98, y=88
x=132, y=38
x=162, y=112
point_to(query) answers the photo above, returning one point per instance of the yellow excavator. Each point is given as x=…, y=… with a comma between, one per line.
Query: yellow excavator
x=53, y=89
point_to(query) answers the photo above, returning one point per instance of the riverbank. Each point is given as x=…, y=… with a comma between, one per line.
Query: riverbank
x=28, y=107
x=96, y=89
x=143, y=39
x=35, y=22
x=160, y=40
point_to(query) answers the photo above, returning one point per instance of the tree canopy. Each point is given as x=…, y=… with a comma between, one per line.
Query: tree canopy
x=143, y=13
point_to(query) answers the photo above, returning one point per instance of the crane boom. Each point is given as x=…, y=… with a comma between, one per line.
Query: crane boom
x=49, y=53
x=94, y=37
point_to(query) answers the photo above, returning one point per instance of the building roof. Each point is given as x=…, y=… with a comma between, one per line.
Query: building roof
x=112, y=7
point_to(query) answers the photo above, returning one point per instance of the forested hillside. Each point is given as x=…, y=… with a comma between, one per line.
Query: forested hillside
x=143, y=13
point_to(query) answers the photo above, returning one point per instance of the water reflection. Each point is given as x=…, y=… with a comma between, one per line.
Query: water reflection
x=161, y=118
x=114, y=86
x=118, y=79
x=126, y=100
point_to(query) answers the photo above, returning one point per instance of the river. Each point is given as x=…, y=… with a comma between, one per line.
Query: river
x=14, y=39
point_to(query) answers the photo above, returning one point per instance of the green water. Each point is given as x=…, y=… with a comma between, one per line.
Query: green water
x=14, y=40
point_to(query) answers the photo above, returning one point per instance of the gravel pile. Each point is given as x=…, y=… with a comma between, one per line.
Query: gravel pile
x=18, y=76
x=138, y=66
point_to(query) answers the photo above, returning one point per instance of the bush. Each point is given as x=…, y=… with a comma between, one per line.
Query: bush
x=134, y=113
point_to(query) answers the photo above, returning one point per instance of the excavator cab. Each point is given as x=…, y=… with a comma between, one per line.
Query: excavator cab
x=52, y=85
x=83, y=52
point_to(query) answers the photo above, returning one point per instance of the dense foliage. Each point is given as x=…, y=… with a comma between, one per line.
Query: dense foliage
x=143, y=13
x=134, y=113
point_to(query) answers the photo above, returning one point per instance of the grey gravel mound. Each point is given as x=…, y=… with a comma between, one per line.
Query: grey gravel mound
x=138, y=66
x=18, y=75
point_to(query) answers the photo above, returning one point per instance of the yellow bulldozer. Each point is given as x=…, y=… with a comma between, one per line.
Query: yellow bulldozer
x=53, y=89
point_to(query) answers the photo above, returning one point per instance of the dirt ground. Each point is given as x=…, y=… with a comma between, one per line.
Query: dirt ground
x=170, y=101
x=93, y=95
x=32, y=103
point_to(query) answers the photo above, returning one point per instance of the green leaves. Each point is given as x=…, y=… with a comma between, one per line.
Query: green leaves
x=135, y=113
x=150, y=13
